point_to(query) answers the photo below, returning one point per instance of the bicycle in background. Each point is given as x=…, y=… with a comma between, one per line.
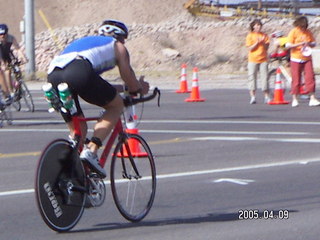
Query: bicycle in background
x=5, y=111
x=21, y=91
x=280, y=62
x=65, y=185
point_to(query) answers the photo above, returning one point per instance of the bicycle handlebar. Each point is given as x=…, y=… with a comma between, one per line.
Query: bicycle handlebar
x=282, y=58
x=129, y=100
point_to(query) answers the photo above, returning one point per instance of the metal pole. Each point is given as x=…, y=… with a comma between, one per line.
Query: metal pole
x=29, y=37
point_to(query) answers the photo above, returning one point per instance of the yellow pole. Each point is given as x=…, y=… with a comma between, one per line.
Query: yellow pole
x=54, y=37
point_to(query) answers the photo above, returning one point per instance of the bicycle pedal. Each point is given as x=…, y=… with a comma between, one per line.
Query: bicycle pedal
x=89, y=202
x=94, y=175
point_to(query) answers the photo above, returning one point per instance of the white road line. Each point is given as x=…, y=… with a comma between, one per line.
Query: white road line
x=164, y=131
x=231, y=122
x=295, y=140
x=224, y=132
x=164, y=121
x=197, y=173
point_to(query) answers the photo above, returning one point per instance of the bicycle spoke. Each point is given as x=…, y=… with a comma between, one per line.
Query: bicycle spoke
x=133, y=180
x=25, y=93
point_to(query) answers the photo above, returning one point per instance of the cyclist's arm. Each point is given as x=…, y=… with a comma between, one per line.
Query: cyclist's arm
x=16, y=46
x=126, y=71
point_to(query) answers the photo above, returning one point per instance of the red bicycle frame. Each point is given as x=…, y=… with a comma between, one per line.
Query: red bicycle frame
x=115, y=132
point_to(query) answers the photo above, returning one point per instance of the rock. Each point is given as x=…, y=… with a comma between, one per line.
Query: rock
x=170, y=53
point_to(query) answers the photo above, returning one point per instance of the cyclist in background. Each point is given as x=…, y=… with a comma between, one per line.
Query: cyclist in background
x=7, y=41
x=80, y=65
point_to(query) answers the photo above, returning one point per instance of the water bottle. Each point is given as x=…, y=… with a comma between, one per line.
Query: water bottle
x=66, y=98
x=50, y=95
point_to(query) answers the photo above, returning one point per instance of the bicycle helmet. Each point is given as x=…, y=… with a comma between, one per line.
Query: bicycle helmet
x=277, y=34
x=114, y=28
x=3, y=29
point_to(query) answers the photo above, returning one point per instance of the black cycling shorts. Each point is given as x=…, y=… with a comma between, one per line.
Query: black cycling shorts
x=83, y=82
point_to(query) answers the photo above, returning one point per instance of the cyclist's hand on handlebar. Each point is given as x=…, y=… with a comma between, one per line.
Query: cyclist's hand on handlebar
x=144, y=86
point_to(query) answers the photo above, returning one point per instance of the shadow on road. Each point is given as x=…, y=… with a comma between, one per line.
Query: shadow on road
x=222, y=217
x=162, y=222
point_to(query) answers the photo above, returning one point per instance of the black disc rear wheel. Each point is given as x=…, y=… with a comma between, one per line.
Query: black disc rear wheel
x=60, y=186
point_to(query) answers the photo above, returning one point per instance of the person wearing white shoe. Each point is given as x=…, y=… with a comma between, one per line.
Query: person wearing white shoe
x=300, y=42
x=295, y=103
x=80, y=65
x=257, y=43
x=314, y=102
x=253, y=100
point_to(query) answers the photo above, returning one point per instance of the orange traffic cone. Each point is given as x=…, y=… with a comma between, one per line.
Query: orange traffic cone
x=278, y=91
x=195, y=92
x=183, y=80
x=133, y=146
x=131, y=123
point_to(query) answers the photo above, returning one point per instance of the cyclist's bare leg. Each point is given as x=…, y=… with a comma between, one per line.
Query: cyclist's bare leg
x=7, y=74
x=107, y=121
x=83, y=128
x=3, y=81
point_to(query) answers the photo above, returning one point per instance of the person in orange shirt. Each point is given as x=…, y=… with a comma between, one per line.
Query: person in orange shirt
x=257, y=43
x=300, y=42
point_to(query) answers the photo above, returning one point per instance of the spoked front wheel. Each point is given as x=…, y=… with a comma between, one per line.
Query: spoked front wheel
x=23, y=94
x=133, y=177
x=17, y=105
x=60, y=186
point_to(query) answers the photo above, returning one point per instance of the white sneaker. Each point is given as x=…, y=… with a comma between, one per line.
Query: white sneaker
x=295, y=103
x=314, y=103
x=253, y=100
x=92, y=159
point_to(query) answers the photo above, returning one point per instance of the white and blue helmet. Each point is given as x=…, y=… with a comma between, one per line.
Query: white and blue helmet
x=114, y=28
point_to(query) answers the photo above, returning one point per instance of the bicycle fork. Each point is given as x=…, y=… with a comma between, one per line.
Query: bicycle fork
x=125, y=173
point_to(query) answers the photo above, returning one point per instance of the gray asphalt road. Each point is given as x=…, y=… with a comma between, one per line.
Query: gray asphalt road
x=217, y=161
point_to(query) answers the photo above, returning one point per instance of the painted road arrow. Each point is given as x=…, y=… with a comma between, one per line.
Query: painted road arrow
x=234, y=180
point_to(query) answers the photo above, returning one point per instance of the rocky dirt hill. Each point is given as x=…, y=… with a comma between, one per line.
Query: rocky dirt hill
x=162, y=33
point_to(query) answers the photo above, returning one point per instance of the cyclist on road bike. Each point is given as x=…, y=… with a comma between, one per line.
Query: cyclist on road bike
x=80, y=65
x=7, y=41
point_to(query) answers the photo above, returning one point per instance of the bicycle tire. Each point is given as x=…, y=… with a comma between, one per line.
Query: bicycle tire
x=16, y=105
x=26, y=95
x=16, y=99
x=59, y=166
x=133, y=203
